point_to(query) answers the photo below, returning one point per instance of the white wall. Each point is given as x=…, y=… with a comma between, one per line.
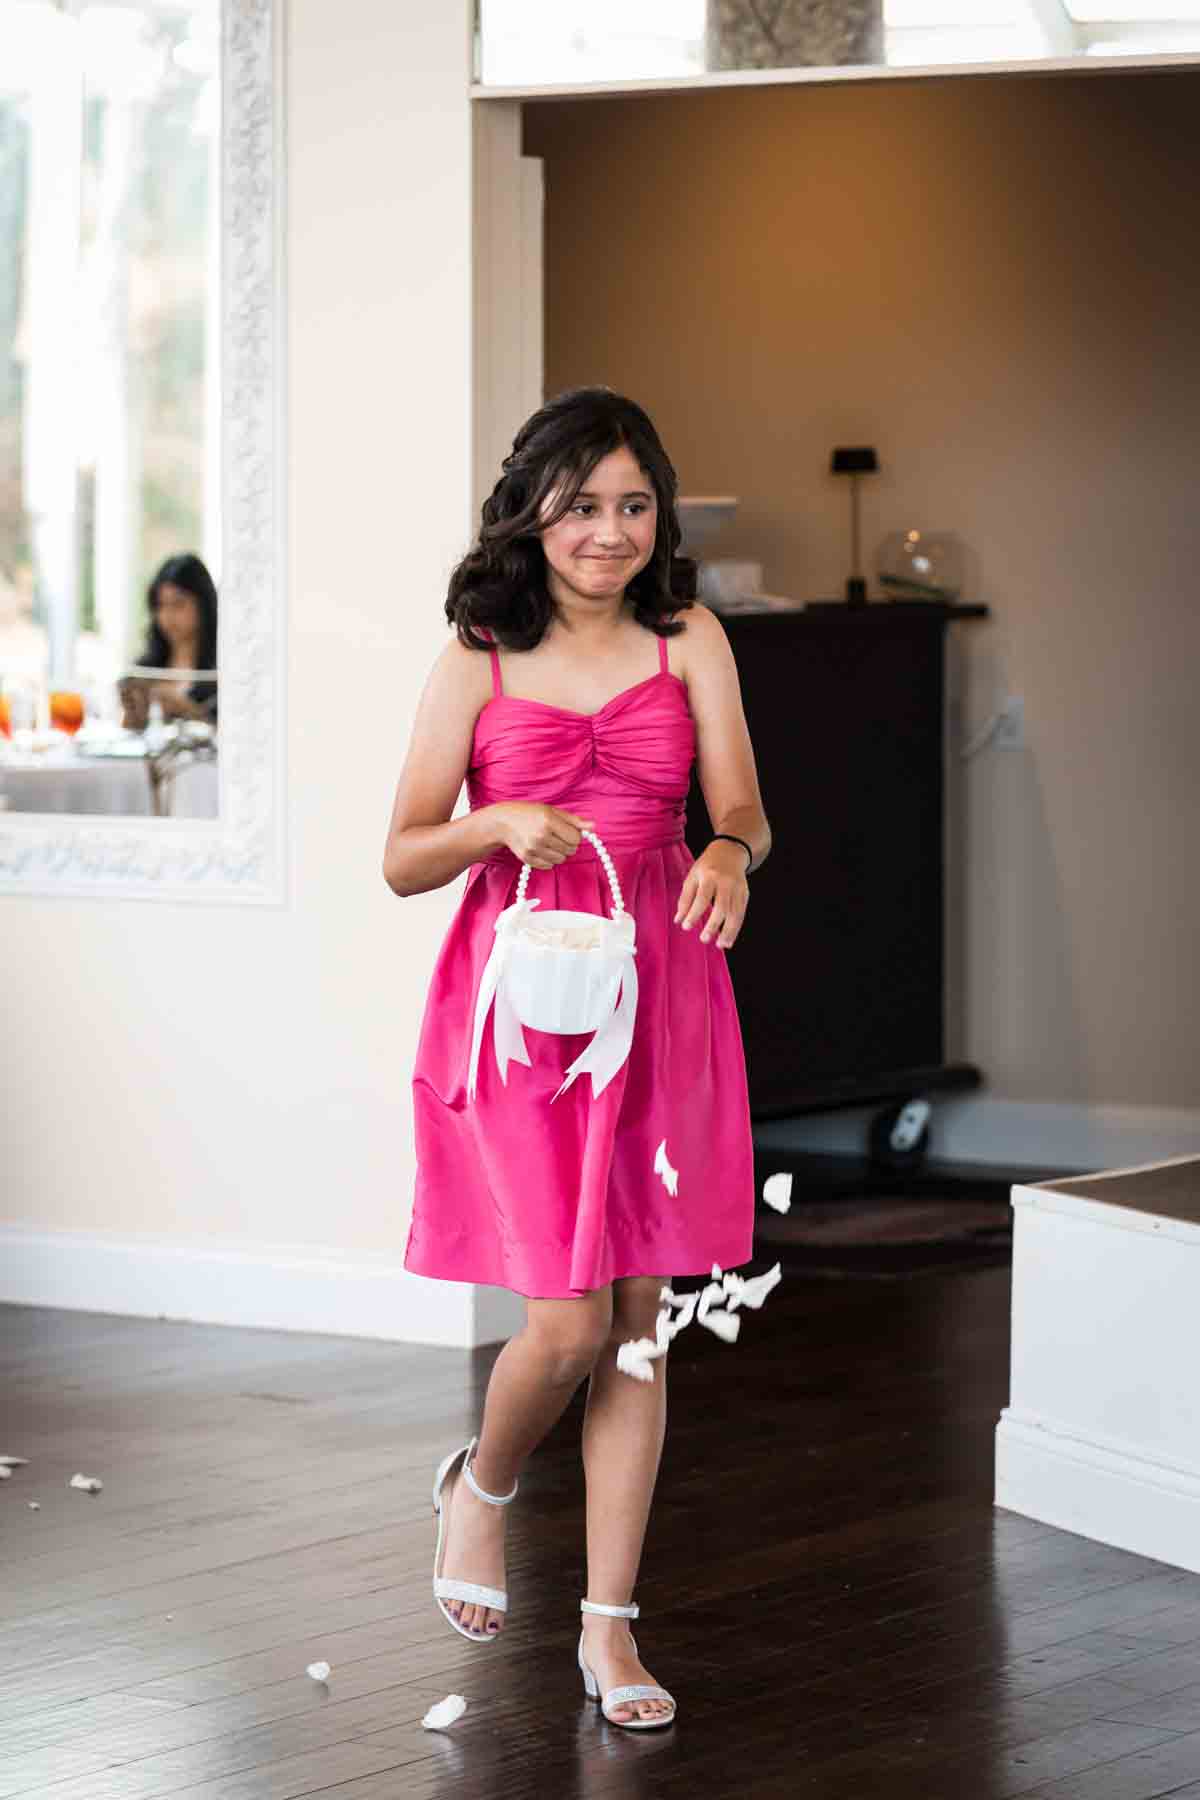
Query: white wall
x=206, y=1109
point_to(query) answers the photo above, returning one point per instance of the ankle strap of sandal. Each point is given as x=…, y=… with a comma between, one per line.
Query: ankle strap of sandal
x=610, y=1612
x=482, y=1493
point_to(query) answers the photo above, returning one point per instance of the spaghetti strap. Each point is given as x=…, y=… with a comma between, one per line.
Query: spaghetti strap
x=662, y=656
x=497, y=684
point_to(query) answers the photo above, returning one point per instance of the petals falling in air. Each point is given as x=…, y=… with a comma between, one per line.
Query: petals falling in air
x=633, y=1358
x=777, y=1190
x=726, y=1325
x=710, y=1313
x=752, y=1291
x=714, y=1306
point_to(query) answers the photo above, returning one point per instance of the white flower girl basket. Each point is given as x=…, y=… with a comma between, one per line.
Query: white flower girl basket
x=562, y=971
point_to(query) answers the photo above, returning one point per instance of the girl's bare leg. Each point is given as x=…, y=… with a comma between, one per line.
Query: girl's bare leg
x=623, y=1433
x=534, y=1377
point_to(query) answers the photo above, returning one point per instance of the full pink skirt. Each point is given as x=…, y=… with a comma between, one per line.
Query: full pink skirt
x=553, y=1199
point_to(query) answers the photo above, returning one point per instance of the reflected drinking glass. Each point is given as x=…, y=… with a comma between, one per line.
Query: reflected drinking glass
x=66, y=711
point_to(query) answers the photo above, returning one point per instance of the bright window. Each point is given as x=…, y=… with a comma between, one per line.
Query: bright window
x=108, y=380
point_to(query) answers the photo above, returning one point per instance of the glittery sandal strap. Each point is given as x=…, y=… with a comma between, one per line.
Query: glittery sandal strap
x=482, y=1493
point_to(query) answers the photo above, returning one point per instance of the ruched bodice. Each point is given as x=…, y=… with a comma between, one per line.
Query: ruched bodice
x=627, y=767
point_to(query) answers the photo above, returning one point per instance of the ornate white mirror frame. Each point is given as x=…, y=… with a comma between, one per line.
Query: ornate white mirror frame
x=238, y=856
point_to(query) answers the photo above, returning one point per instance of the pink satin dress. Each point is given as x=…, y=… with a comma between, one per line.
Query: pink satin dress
x=554, y=1199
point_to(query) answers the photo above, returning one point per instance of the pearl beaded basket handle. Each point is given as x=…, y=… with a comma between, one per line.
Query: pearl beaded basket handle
x=607, y=862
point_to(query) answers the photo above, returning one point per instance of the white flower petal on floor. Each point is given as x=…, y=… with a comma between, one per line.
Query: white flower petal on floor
x=670, y=1176
x=13, y=1462
x=91, y=1484
x=777, y=1190
x=318, y=1670
x=444, y=1713
x=5, y=1472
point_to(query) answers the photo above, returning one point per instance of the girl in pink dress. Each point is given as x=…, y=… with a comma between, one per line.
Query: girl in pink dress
x=580, y=687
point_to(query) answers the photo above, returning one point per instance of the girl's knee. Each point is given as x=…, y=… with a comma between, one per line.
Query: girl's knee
x=635, y=1307
x=571, y=1334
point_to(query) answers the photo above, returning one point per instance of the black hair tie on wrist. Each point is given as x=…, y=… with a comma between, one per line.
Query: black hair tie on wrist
x=728, y=835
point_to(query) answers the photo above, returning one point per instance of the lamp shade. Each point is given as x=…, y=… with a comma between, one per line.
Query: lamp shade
x=861, y=461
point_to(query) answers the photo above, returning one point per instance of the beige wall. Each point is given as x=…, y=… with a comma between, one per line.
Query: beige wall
x=233, y=1082
x=996, y=283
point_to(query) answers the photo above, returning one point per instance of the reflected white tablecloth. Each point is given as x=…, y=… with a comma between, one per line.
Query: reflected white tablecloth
x=116, y=785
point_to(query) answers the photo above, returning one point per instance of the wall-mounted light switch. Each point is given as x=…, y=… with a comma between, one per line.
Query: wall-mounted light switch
x=1010, y=732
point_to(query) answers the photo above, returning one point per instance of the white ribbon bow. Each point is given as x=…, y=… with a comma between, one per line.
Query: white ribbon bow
x=601, y=1058
x=610, y=1046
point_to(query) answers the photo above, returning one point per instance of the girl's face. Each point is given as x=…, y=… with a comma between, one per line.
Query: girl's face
x=177, y=613
x=606, y=536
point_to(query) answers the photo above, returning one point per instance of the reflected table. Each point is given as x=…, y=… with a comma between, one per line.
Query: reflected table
x=63, y=781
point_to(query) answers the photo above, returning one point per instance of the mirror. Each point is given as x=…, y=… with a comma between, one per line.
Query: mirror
x=574, y=43
x=139, y=350
x=109, y=399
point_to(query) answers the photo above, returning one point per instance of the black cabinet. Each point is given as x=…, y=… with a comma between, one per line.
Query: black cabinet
x=839, y=973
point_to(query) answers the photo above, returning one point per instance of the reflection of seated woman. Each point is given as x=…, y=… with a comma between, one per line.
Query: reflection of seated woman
x=183, y=635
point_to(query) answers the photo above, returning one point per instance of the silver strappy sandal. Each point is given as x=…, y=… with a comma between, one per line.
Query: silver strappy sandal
x=632, y=1691
x=445, y=1587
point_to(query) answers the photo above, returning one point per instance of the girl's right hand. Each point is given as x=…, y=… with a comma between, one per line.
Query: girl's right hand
x=541, y=836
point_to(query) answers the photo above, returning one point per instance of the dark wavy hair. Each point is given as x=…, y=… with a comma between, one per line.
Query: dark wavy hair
x=501, y=582
x=189, y=573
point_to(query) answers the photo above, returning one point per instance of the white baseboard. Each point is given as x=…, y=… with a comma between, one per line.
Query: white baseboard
x=1024, y=1133
x=269, y=1287
x=498, y=1314
x=1100, y=1490
x=306, y=1288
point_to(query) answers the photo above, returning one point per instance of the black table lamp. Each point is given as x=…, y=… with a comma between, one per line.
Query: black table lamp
x=855, y=462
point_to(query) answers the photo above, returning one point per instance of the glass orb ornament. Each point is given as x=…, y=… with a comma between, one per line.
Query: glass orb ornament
x=921, y=565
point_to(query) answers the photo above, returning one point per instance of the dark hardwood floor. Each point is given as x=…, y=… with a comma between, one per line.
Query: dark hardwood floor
x=826, y=1589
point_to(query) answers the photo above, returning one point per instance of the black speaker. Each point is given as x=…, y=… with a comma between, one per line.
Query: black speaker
x=838, y=971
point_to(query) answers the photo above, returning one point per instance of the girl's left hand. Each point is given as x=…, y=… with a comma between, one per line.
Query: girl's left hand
x=716, y=883
x=172, y=696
